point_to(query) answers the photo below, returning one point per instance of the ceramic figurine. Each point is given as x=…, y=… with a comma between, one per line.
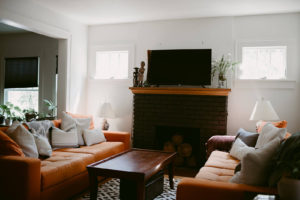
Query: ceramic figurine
x=141, y=74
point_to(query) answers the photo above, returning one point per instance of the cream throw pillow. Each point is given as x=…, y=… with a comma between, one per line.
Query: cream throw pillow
x=42, y=144
x=25, y=140
x=256, y=165
x=63, y=139
x=268, y=133
x=93, y=136
x=239, y=149
x=68, y=124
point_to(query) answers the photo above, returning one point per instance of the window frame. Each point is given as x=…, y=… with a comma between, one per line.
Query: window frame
x=37, y=89
x=92, y=59
x=288, y=82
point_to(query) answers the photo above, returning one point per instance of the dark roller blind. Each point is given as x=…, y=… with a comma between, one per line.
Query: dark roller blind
x=21, y=72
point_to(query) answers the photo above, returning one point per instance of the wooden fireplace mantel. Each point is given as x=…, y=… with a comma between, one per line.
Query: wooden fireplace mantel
x=181, y=91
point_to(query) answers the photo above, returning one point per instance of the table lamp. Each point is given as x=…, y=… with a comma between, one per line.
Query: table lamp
x=106, y=111
x=263, y=110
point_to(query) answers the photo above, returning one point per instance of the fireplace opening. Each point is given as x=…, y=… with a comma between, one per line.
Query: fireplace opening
x=185, y=141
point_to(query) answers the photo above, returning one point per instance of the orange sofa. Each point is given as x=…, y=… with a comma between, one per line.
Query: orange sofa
x=212, y=181
x=61, y=176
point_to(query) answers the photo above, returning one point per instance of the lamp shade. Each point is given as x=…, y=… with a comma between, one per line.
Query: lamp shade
x=106, y=111
x=263, y=110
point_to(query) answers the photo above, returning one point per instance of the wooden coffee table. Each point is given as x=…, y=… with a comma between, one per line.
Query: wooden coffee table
x=137, y=165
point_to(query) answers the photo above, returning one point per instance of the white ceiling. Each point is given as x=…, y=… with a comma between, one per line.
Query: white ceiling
x=120, y=11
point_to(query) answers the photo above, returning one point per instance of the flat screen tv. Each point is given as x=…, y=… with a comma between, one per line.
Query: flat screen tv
x=179, y=67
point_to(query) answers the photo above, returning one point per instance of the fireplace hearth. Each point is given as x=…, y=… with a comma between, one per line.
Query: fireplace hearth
x=160, y=118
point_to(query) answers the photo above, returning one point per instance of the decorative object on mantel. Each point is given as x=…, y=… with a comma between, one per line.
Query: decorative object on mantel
x=106, y=111
x=222, y=67
x=135, y=77
x=141, y=74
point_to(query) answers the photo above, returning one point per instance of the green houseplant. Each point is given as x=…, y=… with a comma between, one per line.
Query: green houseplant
x=30, y=114
x=51, y=108
x=222, y=67
x=2, y=116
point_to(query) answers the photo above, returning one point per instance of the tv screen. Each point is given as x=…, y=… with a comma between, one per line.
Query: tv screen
x=179, y=67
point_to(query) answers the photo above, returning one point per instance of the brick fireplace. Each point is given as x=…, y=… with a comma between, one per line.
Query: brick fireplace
x=164, y=117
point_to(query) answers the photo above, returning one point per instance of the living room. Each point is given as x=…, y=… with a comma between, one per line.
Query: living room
x=225, y=29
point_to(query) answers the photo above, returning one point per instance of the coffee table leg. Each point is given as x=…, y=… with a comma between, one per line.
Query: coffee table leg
x=93, y=186
x=171, y=175
x=140, y=190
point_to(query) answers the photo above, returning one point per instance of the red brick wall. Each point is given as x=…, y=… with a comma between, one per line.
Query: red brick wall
x=208, y=113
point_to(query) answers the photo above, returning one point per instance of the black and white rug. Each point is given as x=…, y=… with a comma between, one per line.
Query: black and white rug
x=110, y=191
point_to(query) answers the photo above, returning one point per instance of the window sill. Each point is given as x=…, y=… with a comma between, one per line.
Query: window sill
x=279, y=84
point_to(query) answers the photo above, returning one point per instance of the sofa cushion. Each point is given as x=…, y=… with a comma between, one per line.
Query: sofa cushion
x=247, y=137
x=256, y=165
x=93, y=136
x=223, y=160
x=62, y=166
x=279, y=124
x=8, y=147
x=92, y=126
x=99, y=151
x=269, y=132
x=239, y=149
x=215, y=174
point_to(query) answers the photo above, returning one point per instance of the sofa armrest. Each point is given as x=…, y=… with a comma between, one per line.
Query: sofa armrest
x=219, y=142
x=20, y=178
x=118, y=136
x=191, y=188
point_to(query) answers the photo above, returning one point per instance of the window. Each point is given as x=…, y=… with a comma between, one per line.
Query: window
x=25, y=98
x=21, y=82
x=263, y=62
x=112, y=65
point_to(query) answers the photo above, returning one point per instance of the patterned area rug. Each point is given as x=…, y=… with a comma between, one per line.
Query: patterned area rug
x=110, y=191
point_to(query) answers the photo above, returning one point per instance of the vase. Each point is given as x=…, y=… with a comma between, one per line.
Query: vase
x=288, y=188
x=222, y=82
x=8, y=121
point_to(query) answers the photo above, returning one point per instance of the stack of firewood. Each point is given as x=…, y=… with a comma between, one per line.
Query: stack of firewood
x=185, y=155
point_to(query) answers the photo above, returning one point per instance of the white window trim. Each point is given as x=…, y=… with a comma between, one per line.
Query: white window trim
x=256, y=83
x=92, y=59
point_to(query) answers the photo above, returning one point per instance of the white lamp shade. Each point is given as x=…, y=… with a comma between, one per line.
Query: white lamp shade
x=263, y=110
x=106, y=111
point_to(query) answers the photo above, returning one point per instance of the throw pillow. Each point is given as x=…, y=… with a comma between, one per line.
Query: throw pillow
x=93, y=136
x=63, y=139
x=25, y=140
x=68, y=124
x=13, y=126
x=8, y=147
x=256, y=165
x=279, y=124
x=248, y=138
x=42, y=144
x=82, y=124
x=75, y=116
x=268, y=133
x=239, y=149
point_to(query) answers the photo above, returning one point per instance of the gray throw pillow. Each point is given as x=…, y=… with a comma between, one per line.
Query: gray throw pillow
x=25, y=140
x=256, y=165
x=248, y=138
x=63, y=139
x=239, y=149
x=42, y=144
x=93, y=136
x=268, y=133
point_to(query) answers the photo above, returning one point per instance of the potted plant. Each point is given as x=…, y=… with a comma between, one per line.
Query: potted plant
x=221, y=67
x=30, y=114
x=51, y=108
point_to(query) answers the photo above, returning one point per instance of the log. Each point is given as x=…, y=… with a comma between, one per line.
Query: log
x=185, y=150
x=169, y=147
x=177, y=139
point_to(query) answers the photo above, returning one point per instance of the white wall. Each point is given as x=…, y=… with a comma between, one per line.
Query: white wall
x=221, y=35
x=32, y=45
x=33, y=17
